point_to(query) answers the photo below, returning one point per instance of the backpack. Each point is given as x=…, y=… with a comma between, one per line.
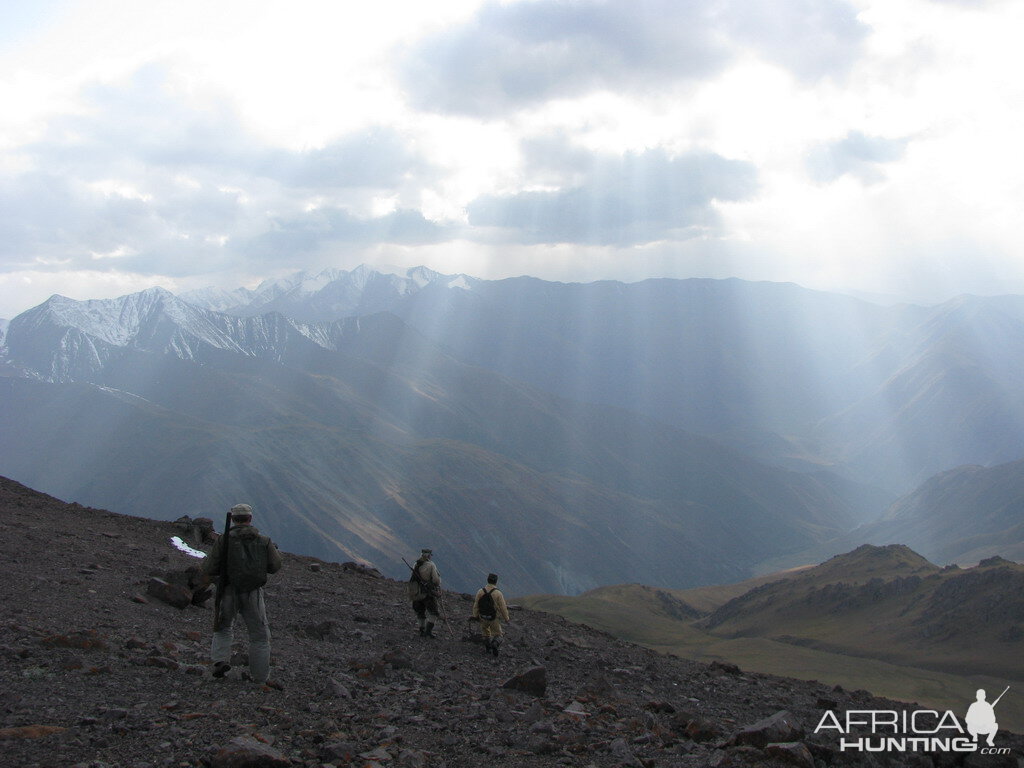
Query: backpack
x=247, y=562
x=418, y=588
x=485, y=606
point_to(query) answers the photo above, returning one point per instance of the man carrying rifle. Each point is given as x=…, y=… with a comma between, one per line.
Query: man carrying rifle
x=424, y=588
x=240, y=562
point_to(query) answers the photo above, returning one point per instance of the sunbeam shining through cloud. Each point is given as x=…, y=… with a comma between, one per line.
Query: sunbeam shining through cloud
x=857, y=146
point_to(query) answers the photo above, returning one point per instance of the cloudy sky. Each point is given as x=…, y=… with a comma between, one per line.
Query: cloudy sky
x=861, y=145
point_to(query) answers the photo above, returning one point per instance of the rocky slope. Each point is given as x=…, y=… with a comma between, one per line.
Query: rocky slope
x=98, y=672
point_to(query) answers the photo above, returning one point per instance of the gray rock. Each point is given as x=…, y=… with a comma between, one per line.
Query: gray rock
x=620, y=751
x=412, y=758
x=533, y=681
x=172, y=594
x=340, y=751
x=780, y=727
x=338, y=690
x=246, y=752
x=794, y=752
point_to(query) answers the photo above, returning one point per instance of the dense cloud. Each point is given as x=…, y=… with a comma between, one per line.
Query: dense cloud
x=141, y=181
x=295, y=241
x=520, y=54
x=467, y=133
x=857, y=155
x=623, y=200
x=812, y=39
x=146, y=128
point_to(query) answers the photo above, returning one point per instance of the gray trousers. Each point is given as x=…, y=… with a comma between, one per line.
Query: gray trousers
x=254, y=613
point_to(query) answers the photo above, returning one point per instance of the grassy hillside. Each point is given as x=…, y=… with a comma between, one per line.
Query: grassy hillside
x=879, y=618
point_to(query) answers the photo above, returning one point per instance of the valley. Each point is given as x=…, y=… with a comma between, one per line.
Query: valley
x=878, y=618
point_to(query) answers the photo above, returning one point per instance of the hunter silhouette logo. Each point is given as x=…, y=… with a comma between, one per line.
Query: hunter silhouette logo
x=927, y=730
x=981, y=717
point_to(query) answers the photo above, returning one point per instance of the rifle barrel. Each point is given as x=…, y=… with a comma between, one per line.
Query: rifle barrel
x=222, y=575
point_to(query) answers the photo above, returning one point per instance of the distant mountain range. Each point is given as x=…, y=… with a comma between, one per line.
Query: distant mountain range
x=887, y=396
x=964, y=515
x=672, y=432
x=362, y=439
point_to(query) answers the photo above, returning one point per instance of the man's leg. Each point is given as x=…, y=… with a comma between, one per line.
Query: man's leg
x=220, y=647
x=254, y=611
x=421, y=614
x=491, y=629
x=430, y=607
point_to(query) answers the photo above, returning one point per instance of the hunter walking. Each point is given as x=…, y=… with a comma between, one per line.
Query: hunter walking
x=424, y=590
x=490, y=608
x=240, y=562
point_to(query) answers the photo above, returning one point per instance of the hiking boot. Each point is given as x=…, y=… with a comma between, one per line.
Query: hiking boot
x=487, y=645
x=428, y=631
x=221, y=668
x=494, y=650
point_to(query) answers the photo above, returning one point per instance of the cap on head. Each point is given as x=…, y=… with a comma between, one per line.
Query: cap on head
x=492, y=578
x=426, y=551
x=241, y=510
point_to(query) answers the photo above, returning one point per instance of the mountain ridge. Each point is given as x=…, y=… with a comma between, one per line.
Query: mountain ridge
x=369, y=435
x=886, y=395
x=883, y=614
x=461, y=365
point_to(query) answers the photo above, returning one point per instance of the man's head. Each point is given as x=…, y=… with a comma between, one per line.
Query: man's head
x=241, y=514
x=426, y=554
x=492, y=578
x=980, y=695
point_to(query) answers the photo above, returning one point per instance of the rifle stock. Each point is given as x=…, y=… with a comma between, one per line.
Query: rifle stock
x=222, y=574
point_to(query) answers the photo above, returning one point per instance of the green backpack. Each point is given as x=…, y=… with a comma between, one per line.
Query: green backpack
x=247, y=562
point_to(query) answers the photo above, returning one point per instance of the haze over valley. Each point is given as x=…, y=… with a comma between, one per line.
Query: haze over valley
x=669, y=432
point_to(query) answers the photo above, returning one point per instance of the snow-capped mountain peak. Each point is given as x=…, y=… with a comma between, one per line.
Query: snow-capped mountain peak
x=329, y=295
x=113, y=321
x=66, y=339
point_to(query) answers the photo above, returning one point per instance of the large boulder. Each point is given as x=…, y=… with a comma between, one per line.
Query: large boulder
x=780, y=727
x=533, y=681
x=172, y=594
x=246, y=752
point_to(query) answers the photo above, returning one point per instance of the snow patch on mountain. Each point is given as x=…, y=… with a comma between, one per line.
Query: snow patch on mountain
x=3, y=332
x=310, y=284
x=460, y=282
x=327, y=295
x=114, y=321
x=218, y=299
x=66, y=340
x=63, y=339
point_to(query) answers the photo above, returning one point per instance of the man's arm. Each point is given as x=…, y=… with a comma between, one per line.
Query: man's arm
x=211, y=563
x=500, y=605
x=274, y=559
